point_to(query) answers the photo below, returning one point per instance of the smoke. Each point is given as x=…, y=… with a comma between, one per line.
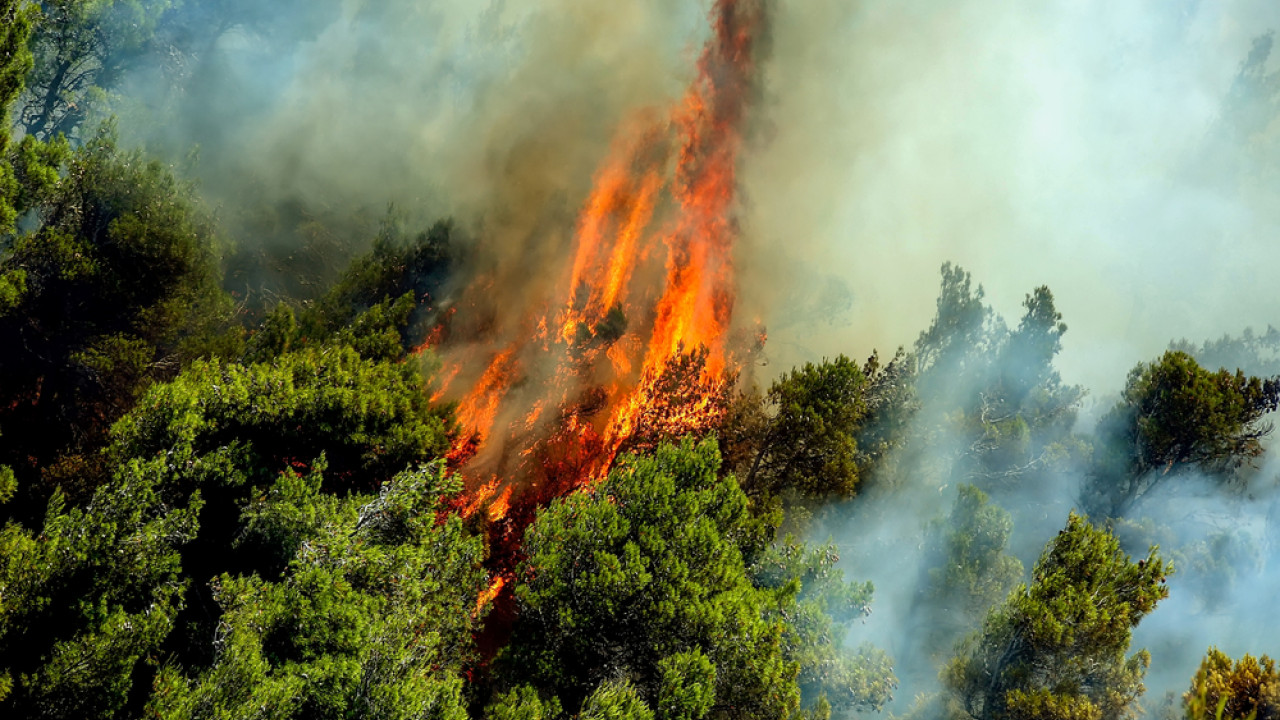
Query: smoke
x=1226, y=552
x=1223, y=539
x=1078, y=145
x=1073, y=144
x=313, y=118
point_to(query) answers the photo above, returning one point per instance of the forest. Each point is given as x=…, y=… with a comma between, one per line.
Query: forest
x=296, y=424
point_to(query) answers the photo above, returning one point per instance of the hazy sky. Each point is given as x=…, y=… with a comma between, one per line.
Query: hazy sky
x=1054, y=143
x=1059, y=142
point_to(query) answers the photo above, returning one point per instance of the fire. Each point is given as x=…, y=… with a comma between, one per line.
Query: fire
x=490, y=592
x=636, y=346
x=619, y=210
x=499, y=507
x=479, y=409
x=620, y=356
x=444, y=381
x=437, y=334
x=479, y=497
x=696, y=308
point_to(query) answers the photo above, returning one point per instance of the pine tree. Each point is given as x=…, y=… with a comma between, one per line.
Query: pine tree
x=1056, y=649
x=1175, y=414
x=643, y=578
x=1247, y=689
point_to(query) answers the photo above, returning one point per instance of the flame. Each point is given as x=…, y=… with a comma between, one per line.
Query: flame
x=499, y=507
x=490, y=592
x=479, y=409
x=696, y=308
x=443, y=381
x=618, y=211
x=636, y=345
x=620, y=356
x=437, y=334
x=479, y=497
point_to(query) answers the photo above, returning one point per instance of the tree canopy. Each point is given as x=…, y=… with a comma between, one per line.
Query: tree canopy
x=1223, y=689
x=116, y=288
x=194, y=502
x=809, y=445
x=15, y=62
x=1056, y=648
x=645, y=578
x=1174, y=415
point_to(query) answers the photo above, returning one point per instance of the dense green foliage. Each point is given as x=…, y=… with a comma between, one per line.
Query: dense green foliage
x=1175, y=412
x=115, y=289
x=1055, y=649
x=372, y=618
x=1175, y=415
x=810, y=444
x=646, y=577
x=15, y=62
x=370, y=419
x=1247, y=689
x=819, y=431
x=196, y=499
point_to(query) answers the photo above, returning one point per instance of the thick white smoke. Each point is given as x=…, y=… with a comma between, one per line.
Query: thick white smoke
x=1073, y=144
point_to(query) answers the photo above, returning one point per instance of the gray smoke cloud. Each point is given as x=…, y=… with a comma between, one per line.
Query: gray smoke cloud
x=495, y=114
x=1073, y=144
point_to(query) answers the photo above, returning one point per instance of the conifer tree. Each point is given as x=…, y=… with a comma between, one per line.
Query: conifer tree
x=1056, y=649
x=970, y=569
x=643, y=579
x=1174, y=415
x=15, y=62
x=1246, y=689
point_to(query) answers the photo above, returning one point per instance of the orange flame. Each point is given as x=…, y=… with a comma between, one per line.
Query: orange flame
x=618, y=211
x=639, y=345
x=499, y=507
x=696, y=308
x=479, y=497
x=479, y=409
x=443, y=381
x=490, y=592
